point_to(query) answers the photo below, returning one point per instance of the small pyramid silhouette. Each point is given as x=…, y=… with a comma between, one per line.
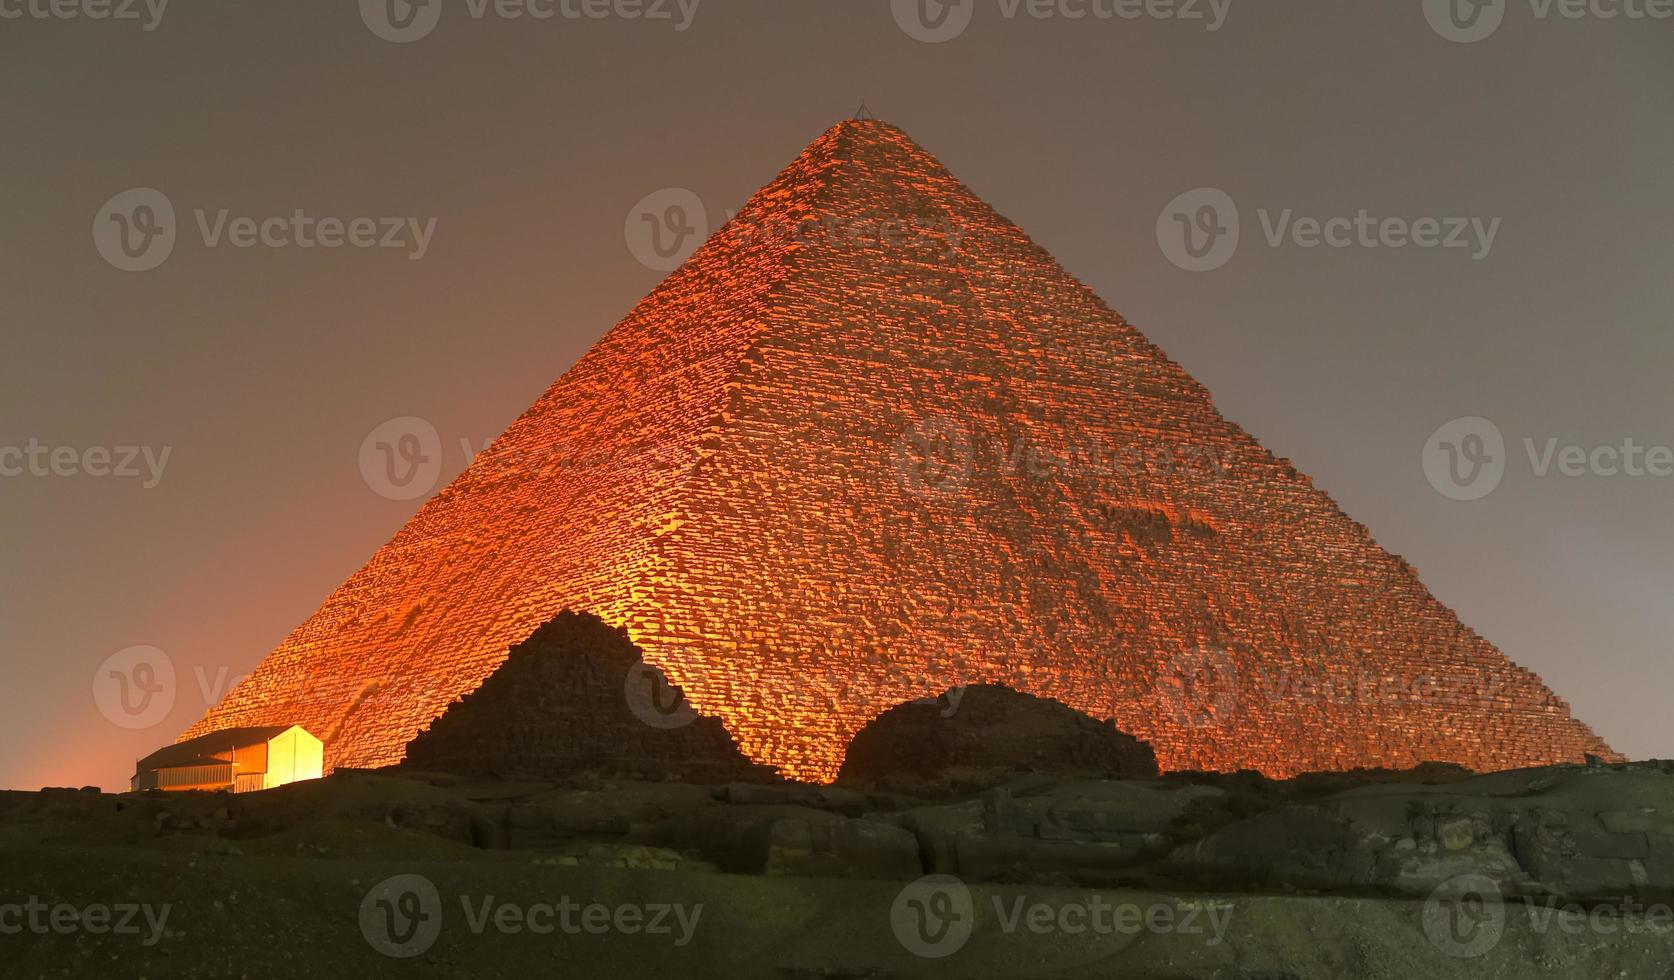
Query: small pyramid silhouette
x=870, y=442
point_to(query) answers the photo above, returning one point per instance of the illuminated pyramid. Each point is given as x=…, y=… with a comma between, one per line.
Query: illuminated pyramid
x=871, y=442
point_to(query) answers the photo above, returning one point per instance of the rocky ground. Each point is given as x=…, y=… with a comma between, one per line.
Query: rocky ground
x=1547, y=872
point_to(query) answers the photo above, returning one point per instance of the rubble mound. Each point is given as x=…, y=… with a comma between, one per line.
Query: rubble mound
x=578, y=697
x=984, y=734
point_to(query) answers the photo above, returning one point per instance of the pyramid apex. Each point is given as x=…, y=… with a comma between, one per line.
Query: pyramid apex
x=865, y=130
x=868, y=124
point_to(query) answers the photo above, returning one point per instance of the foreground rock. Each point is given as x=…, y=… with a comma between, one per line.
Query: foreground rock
x=982, y=735
x=577, y=697
x=1340, y=875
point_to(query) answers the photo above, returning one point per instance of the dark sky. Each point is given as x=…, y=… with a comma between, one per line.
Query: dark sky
x=261, y=370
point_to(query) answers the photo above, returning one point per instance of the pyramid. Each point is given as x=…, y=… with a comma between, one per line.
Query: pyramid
x=555, y=708
x=871, y=442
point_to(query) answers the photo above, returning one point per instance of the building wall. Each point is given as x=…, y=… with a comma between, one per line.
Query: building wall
x=250, y=758
x=185, y=778
x=292, y=756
